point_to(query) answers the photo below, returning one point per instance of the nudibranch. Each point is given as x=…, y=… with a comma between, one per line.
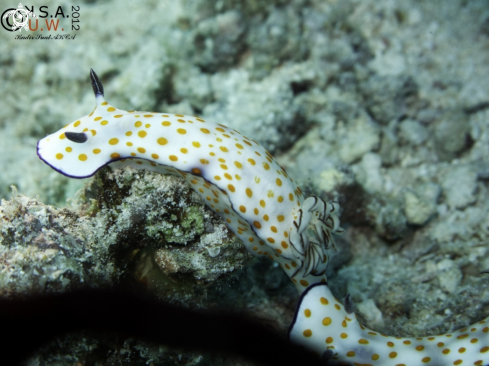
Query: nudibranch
x=235, y=176
x=325, y=325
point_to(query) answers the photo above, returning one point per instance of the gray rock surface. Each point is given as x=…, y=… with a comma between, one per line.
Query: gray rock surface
x=127, y=223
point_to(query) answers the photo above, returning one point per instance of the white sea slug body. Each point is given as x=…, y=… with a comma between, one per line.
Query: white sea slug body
x=235, y=176
x=240, y=180
x=322, y=324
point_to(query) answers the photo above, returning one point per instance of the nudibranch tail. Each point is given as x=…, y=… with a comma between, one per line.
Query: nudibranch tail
x=322, y=324
x=235, y=176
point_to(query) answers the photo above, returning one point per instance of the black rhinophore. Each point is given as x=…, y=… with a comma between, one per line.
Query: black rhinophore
x=98, y=88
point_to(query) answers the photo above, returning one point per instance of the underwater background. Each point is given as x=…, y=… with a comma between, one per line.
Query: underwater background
x=379, y=104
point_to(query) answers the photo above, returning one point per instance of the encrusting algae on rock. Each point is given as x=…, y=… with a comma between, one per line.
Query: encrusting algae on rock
x=118, y=233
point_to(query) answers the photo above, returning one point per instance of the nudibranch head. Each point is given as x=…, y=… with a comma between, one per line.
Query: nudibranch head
x=84, y=146
x=66, y=149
